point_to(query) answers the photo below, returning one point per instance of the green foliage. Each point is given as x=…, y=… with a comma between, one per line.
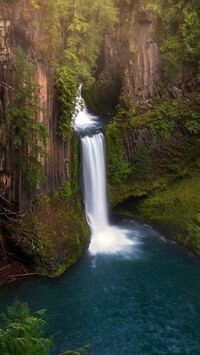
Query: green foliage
x=179, y=33
x=89, y=20
x=52, y=26
x=118, y=168
x=177, y=206
x=141, y=169
x=169, y=113
x=171, y=65
x=165, y=123
x=83, y=351
x=22, y=333
x=65, y=191
x=124, y=114
x=28, y=134
x=193, y=124
x=73, y=34
x=67, y=85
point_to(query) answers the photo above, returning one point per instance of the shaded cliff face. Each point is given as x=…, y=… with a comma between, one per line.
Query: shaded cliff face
x=152, y=145
x=53, y=234
x=132, y=56
x=18, y=31
x=134, y=71
x=153, y=161
x=159, y=182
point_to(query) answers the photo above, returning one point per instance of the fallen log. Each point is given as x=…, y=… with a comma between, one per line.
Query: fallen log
x=22, y=275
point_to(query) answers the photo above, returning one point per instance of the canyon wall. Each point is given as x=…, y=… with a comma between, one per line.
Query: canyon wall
x=16, y=30
x=131, y=56
x=132, y=67
x=152, y=145
x=51, y=232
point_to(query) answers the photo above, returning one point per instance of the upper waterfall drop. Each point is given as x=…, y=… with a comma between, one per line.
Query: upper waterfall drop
x=105, y=238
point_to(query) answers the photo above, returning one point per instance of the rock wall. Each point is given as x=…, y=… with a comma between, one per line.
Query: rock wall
x=159, y=182
x=54, y=234
x=16, y=30
x=132, y=56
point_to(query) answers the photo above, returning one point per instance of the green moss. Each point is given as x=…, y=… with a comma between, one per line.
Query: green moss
x=177, y=206
x=56, y=235
x=163, y=116
x=165, y=174
x=132, y=187
x=145, y=119
x=118, y=167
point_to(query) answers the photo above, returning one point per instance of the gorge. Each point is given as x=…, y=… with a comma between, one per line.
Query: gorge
x=133, y=292
x=80, y=188
x=147, y=84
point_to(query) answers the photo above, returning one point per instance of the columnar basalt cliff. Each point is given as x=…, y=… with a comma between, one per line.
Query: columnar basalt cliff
x=52, y=250
x=56, y=169
x=156, y=149
x=138, y=64
x=132, y=67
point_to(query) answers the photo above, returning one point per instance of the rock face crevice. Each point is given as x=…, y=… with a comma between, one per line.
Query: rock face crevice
x=132, y=55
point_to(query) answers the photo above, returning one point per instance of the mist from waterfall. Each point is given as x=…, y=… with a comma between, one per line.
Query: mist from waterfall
x=105, y=238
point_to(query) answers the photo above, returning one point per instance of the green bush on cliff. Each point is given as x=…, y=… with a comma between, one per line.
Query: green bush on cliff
x=193, y=125
x=118, y=168
x=169, y=113
x=166, y=115
x=67, y=84
x=65, y=191
x=142, y=168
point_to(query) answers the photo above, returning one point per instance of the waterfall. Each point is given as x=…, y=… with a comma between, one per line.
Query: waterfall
x=94, y=182
x=105, y=238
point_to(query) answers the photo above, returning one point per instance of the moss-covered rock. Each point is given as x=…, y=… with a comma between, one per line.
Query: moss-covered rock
x=55, y=235
x=162, y=178
x=177, y=208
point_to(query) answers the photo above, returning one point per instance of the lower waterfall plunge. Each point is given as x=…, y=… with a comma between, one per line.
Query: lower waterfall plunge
x=105, y=238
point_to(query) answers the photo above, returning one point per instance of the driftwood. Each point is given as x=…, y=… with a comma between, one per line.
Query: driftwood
x=2, y=247
x=12, y=278
x=11, y=270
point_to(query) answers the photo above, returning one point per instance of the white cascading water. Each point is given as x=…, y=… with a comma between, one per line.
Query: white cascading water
x=105, y=238
x=94, y=182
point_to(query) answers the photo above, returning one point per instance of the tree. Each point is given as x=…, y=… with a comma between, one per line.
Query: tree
x=22, y=333
x=28, y=134
x=179, y=37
